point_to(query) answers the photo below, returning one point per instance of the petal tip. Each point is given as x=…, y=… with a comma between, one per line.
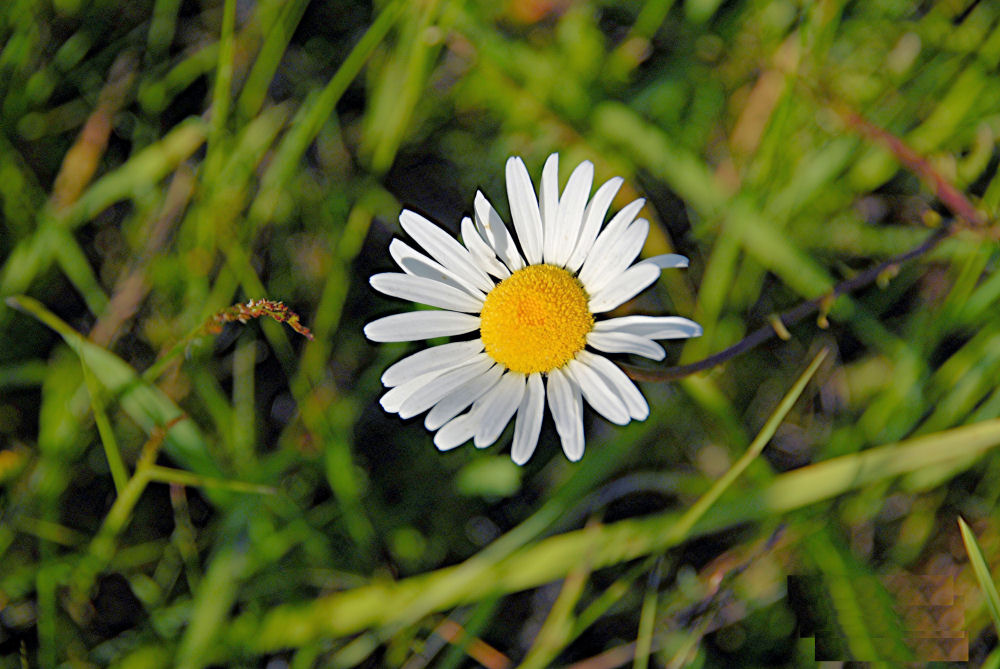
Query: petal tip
x=443, y=445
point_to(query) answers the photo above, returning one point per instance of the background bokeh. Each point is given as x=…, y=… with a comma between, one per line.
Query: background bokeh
x=175, y=496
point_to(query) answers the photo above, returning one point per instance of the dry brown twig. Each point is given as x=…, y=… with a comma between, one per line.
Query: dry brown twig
x=262, y=308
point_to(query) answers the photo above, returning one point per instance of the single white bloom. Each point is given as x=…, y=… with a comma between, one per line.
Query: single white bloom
x=534, y=310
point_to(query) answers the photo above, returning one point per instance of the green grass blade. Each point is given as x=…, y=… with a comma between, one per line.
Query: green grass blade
x=982, y=571
x=557, y=630
x=162, y=27
x=74, y=264
x=647, y=618
x=215, y=596
x=155, y=96
x=255, y=89
x=102, y=546
x=111, y=451
x=222, y=90
x=182, y=477
x=756, y=446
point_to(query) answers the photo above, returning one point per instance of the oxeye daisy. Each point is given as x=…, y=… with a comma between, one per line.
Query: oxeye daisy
x=535, y=304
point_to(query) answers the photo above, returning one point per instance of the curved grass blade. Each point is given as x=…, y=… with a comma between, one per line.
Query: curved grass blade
x=146, y=404
x=382, y=604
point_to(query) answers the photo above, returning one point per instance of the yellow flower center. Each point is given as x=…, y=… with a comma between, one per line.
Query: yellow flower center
x=536, y=319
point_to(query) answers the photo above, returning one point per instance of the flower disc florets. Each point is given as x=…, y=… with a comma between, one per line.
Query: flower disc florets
x=536, y=320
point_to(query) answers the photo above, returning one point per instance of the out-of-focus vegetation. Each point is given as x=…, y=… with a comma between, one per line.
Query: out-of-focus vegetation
x=170, y=497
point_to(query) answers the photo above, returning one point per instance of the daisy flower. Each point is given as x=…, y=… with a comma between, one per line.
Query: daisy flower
x=534, y=303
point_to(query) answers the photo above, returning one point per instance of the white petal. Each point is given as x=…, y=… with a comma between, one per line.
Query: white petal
x=436, y=358
x=461, y=397
x=445, y=249
x=653, y=327
x=529, y=420
x=481, y=251
x=668, y=261
x=570, y=220
x=395, y=398
x=624, y=287
x=614, y=229
x=425, y=291
x=415, y=263
x=624, y=342
x=636, y=404
x=497, y=407
x=617, y=257
x=416, y=325
x=592, y=219
x=444, y=384
x=456, y=432
x=597, y=393
x=524, y=210
x=548, y=203
x=493, y=230
x=566, y=406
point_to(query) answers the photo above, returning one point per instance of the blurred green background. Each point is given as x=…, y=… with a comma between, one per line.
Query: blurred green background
x=174, y=497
